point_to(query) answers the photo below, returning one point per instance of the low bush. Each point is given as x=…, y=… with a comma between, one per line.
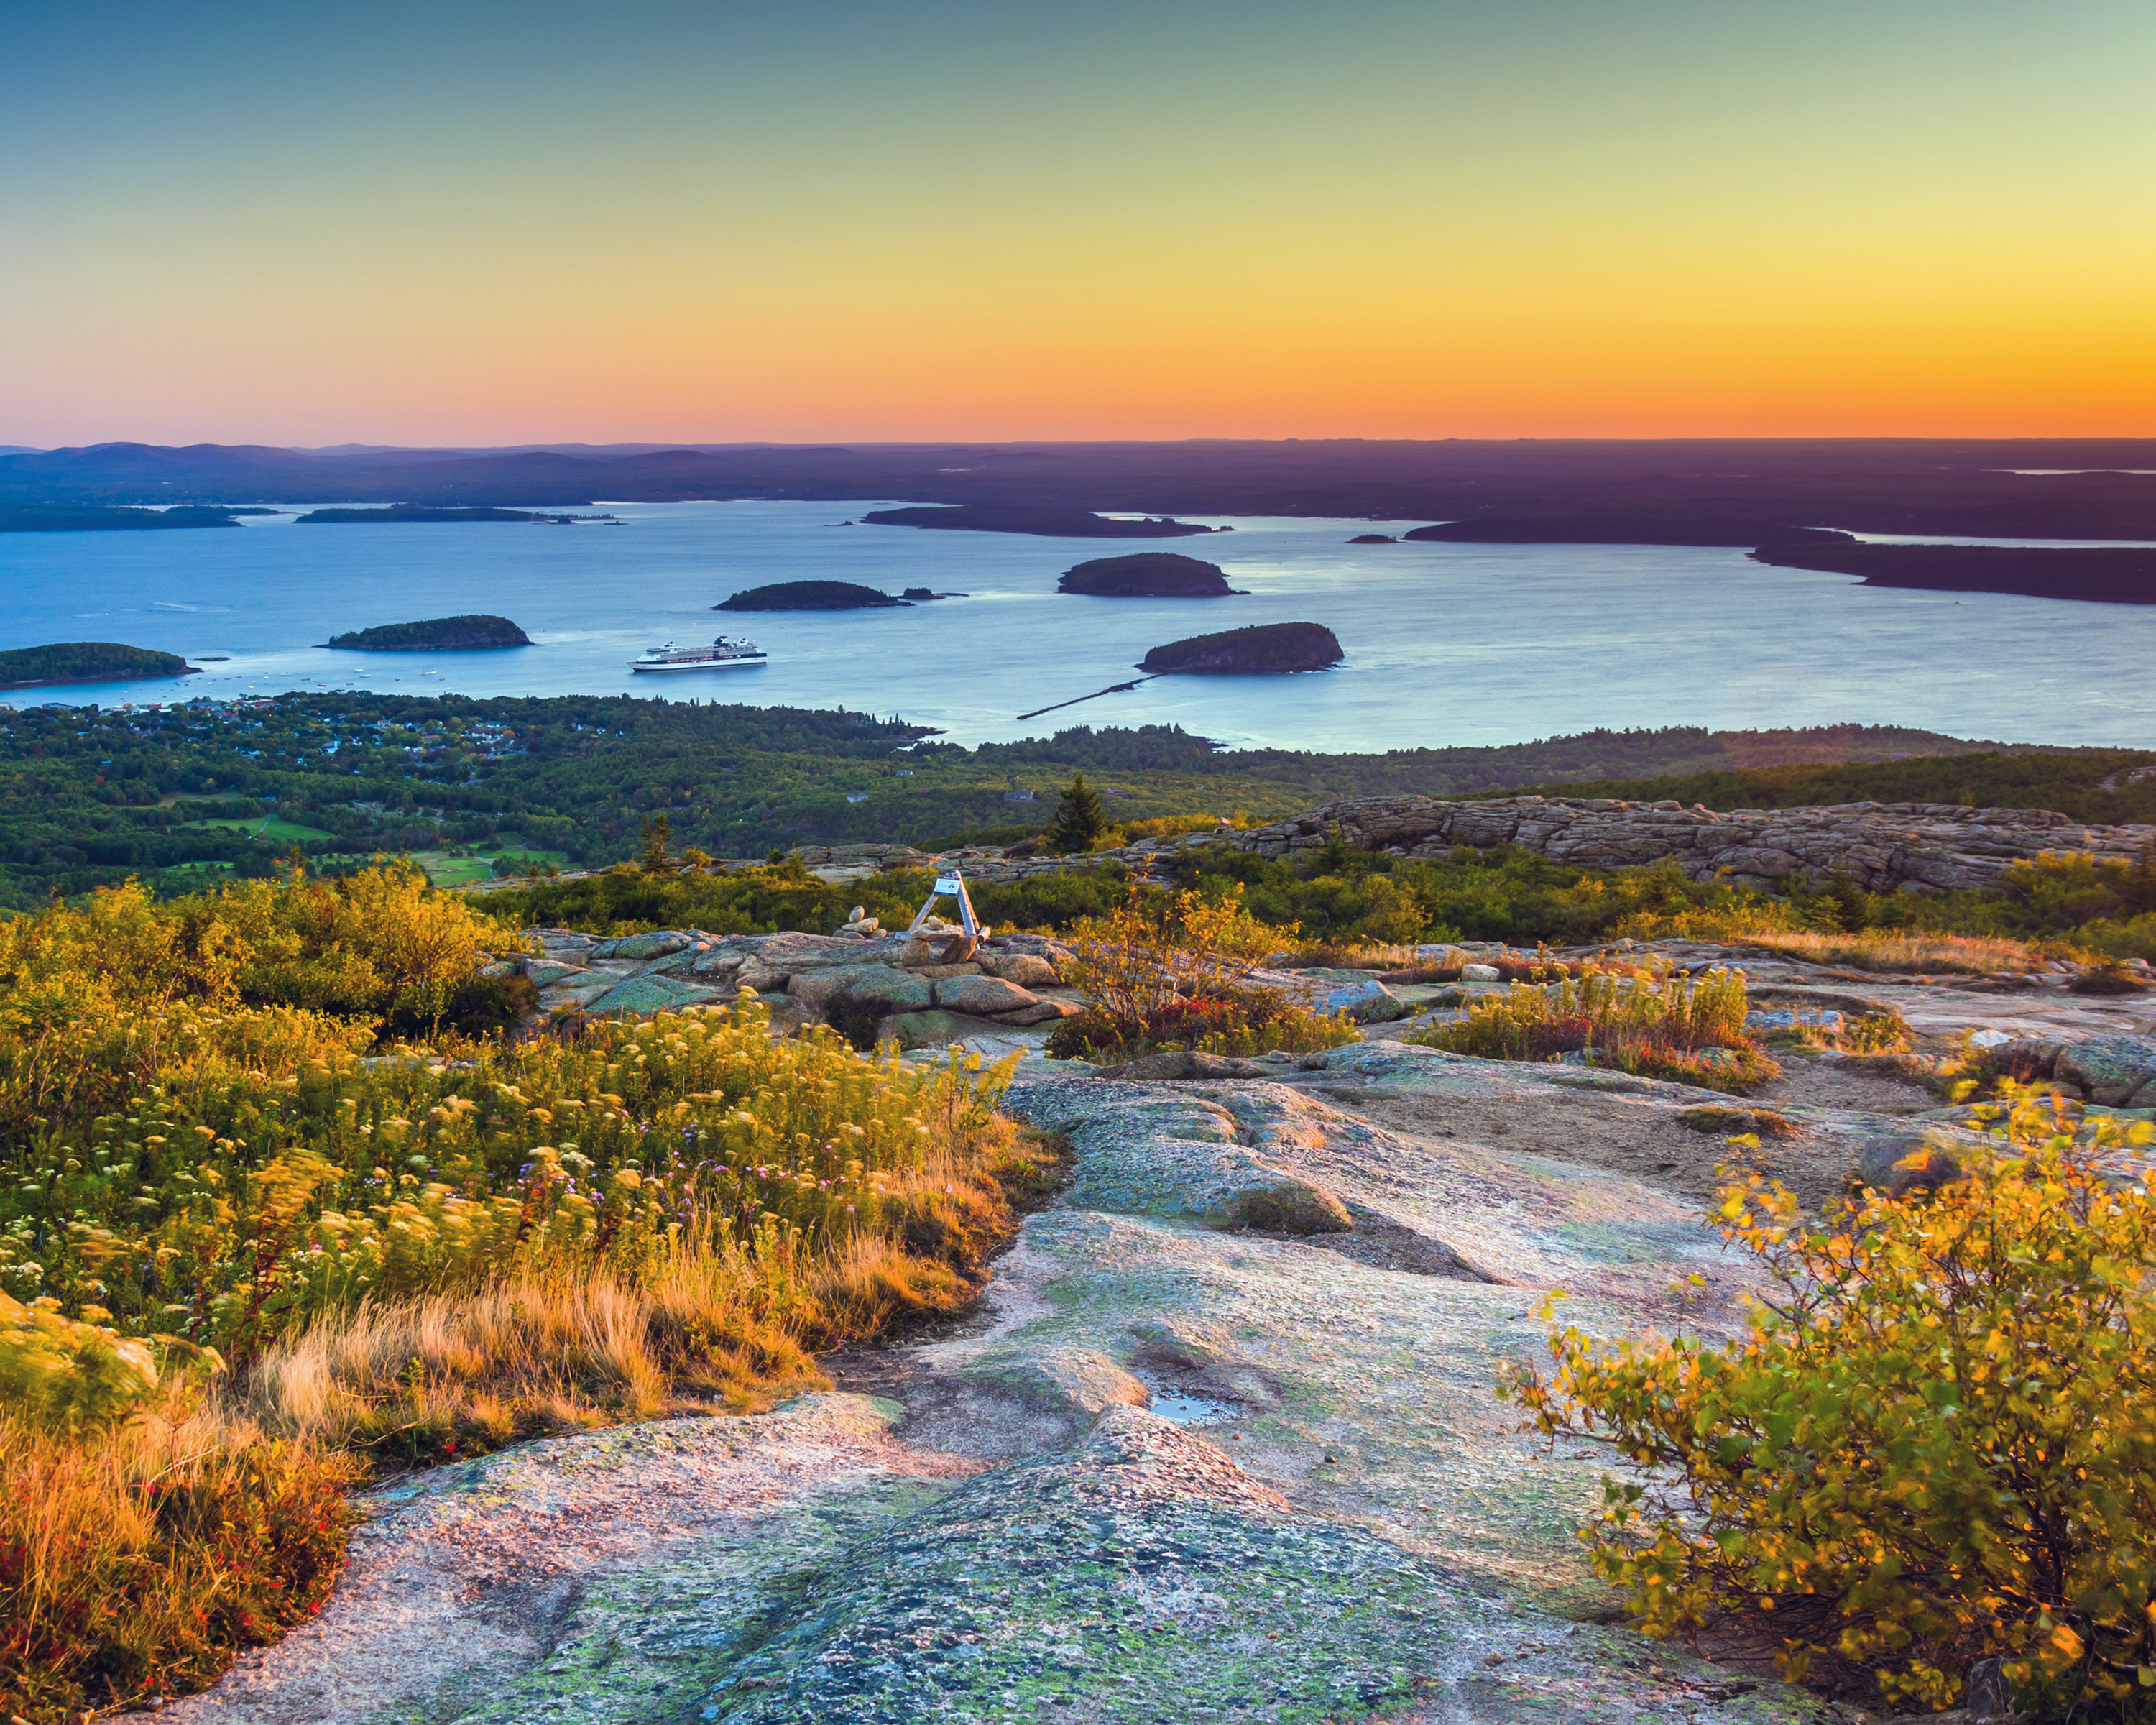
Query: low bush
x=1688, y=1031
x=1934, y=1445
x=1168, y=971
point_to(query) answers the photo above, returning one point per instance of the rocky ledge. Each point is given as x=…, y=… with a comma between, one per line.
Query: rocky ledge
x=937, y=987
x=1909, y=847
x=1220, y=1444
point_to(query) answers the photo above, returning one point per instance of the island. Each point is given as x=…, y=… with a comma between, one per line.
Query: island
x=1617, y=528
x=809, y=596
x=2107, y=575
x=437, y=635
x=1263, y=649
x=1374, y=539
x=1147, y=575
x=415, y=512
x=1048, y=523
x=918, y=595
x=87, y=662
x=92, y=518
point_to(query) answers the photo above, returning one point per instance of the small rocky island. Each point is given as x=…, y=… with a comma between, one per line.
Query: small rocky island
x=87, y=662
x=1264, y=649
x=1049, y=523
x=810, y=596
x=1147, y=575
x=1374, y=539
x=437, y=635
x=416, y=512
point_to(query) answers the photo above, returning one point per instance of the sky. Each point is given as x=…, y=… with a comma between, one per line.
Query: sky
x=492, y=223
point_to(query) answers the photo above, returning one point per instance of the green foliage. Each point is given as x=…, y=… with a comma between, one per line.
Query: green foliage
x=70, y=1372
x=1932, y=1447
x=1081, y=820
x=435, y=634
x=86, y=662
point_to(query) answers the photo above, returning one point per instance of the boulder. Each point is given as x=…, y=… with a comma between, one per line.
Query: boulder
x=1478, y=973
x=883, y=986
x=1367, y=1001
x=1181, y=1063
x=1024, y=968
x=639, y=996
x=1293, y=1206
x=937, y=948
x=546, y=971
x=1043, y=1012
x=1070, y=1380
x=659, y=945
x=2145, y=1097
x=2108, y=1069
x=2022, y=1059
x=1906, y=1163
x=984, y=996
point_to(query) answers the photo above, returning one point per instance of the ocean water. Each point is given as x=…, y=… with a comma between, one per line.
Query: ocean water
x=1445, y=644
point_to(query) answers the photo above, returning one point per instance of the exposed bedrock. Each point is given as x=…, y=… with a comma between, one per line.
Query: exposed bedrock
x=1911, y=847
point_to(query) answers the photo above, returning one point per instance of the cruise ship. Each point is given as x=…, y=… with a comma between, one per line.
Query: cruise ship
x=722, y=654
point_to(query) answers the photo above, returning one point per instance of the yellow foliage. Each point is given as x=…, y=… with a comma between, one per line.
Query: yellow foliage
x=1933, y=1446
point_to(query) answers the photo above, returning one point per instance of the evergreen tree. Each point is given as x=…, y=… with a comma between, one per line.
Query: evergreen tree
x=1080, y=819
x=657, y=834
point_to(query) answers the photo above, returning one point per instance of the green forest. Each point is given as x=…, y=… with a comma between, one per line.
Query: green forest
x=178, y=794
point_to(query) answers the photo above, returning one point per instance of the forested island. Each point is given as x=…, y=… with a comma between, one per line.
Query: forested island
x=415, y=512
x=1147, y=575
x=810, y=596
x=1622, y=527
x=87, y=662
x=437, y=635
x=1263, y=649
x=2109, y=575
x=1374, y=539
x=1047, y=522
x=78, y=518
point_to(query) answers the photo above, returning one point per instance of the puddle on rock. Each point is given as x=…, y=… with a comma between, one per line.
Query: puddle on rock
x=1178, y=1408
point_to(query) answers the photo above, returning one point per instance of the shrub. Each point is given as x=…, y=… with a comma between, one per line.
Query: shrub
x=1691, y=1032
x=1166, y=971
x=1932, y=1446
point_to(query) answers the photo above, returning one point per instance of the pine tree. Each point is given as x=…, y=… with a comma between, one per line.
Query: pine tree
x=658, y=834
x=1080, y=819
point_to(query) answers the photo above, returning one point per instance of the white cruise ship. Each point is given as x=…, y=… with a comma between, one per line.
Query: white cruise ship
x=722, y=654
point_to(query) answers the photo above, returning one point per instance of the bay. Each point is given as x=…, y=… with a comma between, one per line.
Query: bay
x=1446, y=643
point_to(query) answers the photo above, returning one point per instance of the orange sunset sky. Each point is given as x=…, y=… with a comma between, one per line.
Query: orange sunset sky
x=487, y=224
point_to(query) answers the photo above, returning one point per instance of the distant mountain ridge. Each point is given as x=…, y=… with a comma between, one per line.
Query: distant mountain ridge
x=1879, y=485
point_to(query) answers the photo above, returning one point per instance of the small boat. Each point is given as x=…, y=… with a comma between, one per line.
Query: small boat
x=722, y=654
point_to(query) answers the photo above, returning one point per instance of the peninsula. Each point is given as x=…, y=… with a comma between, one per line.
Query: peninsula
x=809, y=596
x=1264, y=649
x=1047, y=520
x=1147, y=575
x=87, y=662
x=437, y=635
x=1617, y=527
x=2110, y=575
x=89, y=518
x=405, y=512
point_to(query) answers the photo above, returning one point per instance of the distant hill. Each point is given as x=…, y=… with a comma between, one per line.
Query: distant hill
x=2112, y=575
x=437, y=635
x=87, y=662
x=1049, y=523
x=809, y=596
x=1263, y=649
x=1147, y=575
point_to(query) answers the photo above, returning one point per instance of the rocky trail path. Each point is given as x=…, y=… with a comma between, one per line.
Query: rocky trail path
x=1220, y=1444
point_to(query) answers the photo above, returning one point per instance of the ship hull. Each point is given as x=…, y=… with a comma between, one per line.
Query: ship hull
x=707, y=664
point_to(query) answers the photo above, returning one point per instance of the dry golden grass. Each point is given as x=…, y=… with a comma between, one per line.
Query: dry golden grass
x=1893, y=950
x=134, y=1561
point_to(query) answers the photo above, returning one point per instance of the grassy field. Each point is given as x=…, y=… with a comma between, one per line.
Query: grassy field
x=269, y=826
